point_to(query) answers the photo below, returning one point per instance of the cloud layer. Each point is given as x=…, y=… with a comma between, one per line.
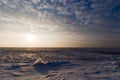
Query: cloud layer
x=76, y=19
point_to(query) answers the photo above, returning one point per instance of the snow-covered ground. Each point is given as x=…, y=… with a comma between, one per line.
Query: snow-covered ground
x=59, y=64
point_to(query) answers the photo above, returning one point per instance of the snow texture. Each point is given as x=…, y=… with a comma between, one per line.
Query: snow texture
x=59, y=64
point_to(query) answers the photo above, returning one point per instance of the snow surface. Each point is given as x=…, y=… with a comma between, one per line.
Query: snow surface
x=59, y=64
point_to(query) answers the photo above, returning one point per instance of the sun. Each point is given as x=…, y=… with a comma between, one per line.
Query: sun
x=30, y=37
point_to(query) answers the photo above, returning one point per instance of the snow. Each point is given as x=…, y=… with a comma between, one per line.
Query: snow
x=59, y=64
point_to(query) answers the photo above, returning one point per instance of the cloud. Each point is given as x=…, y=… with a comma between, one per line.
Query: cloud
x=95, y=19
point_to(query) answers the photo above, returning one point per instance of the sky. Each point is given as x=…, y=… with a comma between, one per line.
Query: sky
x=59, y=23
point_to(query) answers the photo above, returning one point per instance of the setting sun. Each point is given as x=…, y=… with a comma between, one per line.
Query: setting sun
x=30, y=37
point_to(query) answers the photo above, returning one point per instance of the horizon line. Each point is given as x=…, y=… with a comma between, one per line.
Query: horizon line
x=59, y=47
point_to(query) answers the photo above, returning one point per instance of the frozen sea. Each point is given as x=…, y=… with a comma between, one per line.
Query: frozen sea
x=59, y=64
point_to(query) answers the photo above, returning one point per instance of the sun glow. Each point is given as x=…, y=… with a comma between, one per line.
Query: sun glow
x=30, y=37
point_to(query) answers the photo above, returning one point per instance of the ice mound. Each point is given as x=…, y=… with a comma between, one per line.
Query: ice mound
x=40, y=60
